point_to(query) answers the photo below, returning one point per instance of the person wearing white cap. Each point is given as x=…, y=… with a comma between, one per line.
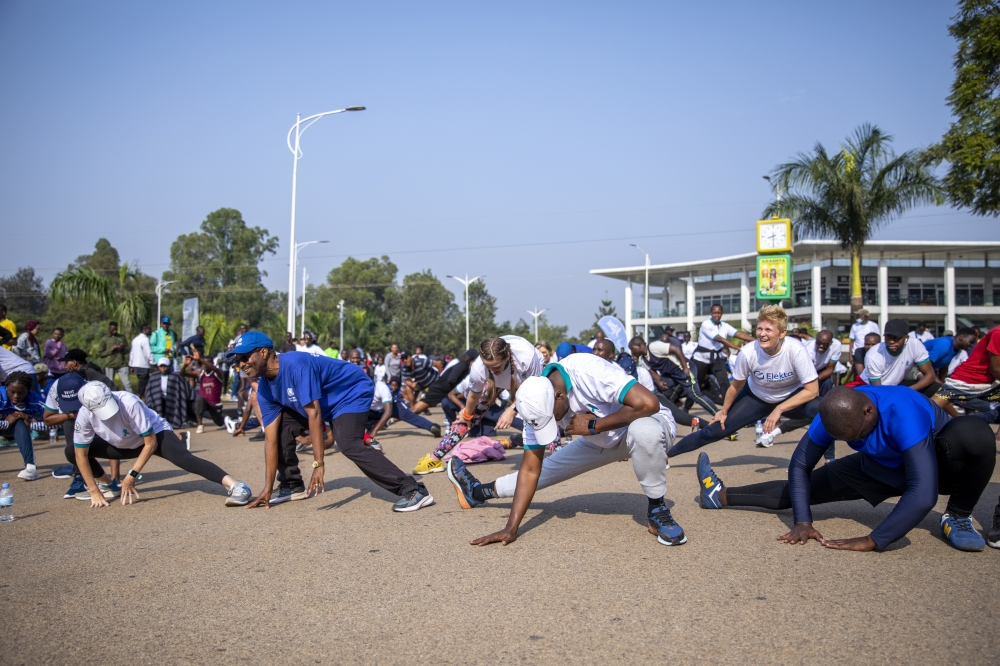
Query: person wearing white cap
x=117, y=425
x=614, y=418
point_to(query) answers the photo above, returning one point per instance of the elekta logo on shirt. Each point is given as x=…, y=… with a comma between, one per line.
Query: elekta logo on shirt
x=291, y=395
x=772, y=376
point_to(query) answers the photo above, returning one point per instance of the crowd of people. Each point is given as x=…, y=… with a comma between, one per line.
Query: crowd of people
x=914, y=409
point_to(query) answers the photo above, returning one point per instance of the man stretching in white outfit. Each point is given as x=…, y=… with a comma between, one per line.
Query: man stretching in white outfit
x=614, y=418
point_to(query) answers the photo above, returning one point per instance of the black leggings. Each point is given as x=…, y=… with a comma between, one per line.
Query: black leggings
x=966, y=454
x=717, y=369
x=168, y=446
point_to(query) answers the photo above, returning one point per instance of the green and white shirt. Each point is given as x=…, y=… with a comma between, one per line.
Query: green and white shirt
x=124, y=430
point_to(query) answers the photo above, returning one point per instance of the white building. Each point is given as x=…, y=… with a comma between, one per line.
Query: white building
x=943, y=283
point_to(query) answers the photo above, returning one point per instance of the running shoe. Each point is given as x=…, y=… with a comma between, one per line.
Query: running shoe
x=259, y=437
x=374, y=444
x=767, y=440
x=993, y=537
x=735, y=436
x=78, y=486
x=709, y=485
x=418, y=499
x=303, y=448
x=662, y=524
x=200, y=429
x=282, y=495
x=29, y=473
x=464, y=482
x=62, y=472
x=105, y=489
x=239, y=494
x=436, y=430
x=230, y=424
x=960, y=533
x=114, y=488
x=428, y=465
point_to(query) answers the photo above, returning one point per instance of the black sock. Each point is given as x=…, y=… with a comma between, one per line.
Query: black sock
x=654, y=503
x=484, y=491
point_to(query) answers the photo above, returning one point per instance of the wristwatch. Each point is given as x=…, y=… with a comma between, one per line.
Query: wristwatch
x=134, y=474
x=591, y=425
x=317, y=463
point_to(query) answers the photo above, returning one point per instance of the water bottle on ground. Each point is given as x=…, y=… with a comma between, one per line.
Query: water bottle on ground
x=53, y=434
x=695, y=424
x=6, y=504
x=759, y=428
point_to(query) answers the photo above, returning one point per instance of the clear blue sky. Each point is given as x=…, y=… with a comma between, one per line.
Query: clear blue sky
x=560, y=132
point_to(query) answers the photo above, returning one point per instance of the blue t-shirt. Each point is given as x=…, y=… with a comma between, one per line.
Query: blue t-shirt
x=940, y=351
x=905, y=418
x=340, y=387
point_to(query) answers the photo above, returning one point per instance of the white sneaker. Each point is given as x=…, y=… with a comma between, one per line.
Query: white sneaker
x=29, y=473
x=230, y=424
x=766, y=441
x=187, y=438
x=200, y=429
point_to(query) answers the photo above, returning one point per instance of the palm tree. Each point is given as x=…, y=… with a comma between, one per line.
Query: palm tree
x=358, y=328
x=850, y=195
x=322, y=324
x=121, y=298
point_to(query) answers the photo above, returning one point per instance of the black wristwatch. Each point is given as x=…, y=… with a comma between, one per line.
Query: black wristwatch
x=134, y=474
x=591, y=425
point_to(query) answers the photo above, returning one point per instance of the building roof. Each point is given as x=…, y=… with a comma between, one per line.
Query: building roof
x=804, y=250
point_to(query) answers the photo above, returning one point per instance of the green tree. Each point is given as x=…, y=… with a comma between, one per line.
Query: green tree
x=971, y=146
x=851, y=194
x=368, y=285
x=482, y=315
x=358, y=327
x=548, y=332
x=219, y=265
x=325, y=325
x=24, y=294
x=426, y=315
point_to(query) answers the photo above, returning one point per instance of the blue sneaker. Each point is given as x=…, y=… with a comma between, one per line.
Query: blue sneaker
x=77, y=487
x=114, y=488
x=239, y=495
x=662, y=524
x=62, y=472
x=418, y=499
x=282, y=495
x=960, y=533
x=464, y=482
x=709, y=485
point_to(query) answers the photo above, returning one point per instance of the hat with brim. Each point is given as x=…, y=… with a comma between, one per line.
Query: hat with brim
x=98, y=398
x=536, y=400
x=68, y=392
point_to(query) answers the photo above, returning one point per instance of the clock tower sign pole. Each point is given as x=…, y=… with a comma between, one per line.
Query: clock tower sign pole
x=774, y=260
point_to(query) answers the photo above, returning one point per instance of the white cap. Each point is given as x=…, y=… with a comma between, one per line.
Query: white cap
x=97, y=397
x=163, y=361
x=536, y=401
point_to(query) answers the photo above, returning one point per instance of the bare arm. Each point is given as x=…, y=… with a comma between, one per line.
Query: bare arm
x=926, y=376
x=827, y=371
x=679, y=353
x=386, y=415
x=809, y=391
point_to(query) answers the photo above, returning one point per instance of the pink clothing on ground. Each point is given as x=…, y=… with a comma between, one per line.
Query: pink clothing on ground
x=477, y=450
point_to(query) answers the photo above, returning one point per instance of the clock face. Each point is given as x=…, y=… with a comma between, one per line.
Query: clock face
x=773, y=236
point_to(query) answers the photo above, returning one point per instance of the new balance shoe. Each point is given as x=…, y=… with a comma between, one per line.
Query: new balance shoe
x=993, y=537
x=114, y=488
x=78, y=486
x=62, y=472
x=239, y=494
x=662, y=524
x=960, y=533
x=418, y=499
x=428, y=465
x=282, y=495
x=709, y=485
x=29, y=473
x=464, y=482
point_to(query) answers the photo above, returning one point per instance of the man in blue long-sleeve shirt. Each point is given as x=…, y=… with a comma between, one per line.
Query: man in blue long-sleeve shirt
x=906, y=446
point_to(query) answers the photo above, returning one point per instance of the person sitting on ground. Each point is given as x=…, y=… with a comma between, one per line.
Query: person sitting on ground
x=943, y=350
x=614, y=419
x=975, y=384
x=906, y=447
x=209, y=388
x=117, y=425
x=379, y=414
x=858, y=356
x=418, y=375
x=20, y=405
x=168, y=394
x=889, y=362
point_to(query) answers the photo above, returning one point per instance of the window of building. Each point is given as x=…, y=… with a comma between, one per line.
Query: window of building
x=970, y=294
x=729, y=302
x=925, y=294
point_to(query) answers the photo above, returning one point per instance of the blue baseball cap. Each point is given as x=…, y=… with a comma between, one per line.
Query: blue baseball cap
x=67, y=392
x=628, y=365
x=165, y=320
x=563, y=350
x=251, y=340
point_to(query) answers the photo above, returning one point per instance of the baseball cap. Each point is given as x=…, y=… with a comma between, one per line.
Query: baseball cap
x=628, y=365
x=250, y=341
x=862, y=312
x=564, y=349
x=77, y=355
x=97, y=397
x=897, y=328
x=536, y=401
x=163, y=361
x=68, y=391
x=165, y=320
x=41, y=367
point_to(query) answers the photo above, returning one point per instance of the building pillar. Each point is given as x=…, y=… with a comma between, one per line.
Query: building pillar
x=745, y=300
x=949, y=294
x=689, y=302
x=628, y=309
x=883, y=292
x=817, y=294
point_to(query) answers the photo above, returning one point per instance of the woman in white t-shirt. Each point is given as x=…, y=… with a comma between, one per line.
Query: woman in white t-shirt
x=773, y=376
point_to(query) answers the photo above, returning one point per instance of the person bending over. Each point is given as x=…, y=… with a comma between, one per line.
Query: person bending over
x=906, y=447
x=613, y=417
x=713, y=347
x=888, y=363
x=663, y=368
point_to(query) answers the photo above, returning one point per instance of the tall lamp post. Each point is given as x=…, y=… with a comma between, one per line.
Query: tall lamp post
x=645, y=290
x=340, y=306
x=465, y=283
x=160, y=284
x=536, y=313
x=300, y=126
x=302, y=328
x=295, y=266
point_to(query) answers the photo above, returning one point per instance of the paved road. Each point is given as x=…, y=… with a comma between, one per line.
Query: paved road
x=179, y=578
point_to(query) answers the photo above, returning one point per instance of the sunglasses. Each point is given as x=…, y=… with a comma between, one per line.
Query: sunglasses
x=243, y=359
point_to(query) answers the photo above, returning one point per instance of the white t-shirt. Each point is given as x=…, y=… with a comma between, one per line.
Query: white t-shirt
x=688, y=349
x=140, y=355
x=125, y=429
x=525, y=359
x=923, y=337
x=51, y=400
x=774, y=378
x=313, y=349
x=645, y=379
x=706, y=338
x=382, y=396
x=858, y=333
x=380, y=372
x=11, y=362
x=891, y=370
x=594, y=386
x=820, y=360
x=960, y=358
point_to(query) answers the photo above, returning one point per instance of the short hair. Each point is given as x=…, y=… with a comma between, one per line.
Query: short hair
x=878, y=338
x=840, y=411
x=113, y=323
x=966, y=330
x=636, y=341
x=774, y=314
x=57, y=328
x=603, y=342
x=716, y=305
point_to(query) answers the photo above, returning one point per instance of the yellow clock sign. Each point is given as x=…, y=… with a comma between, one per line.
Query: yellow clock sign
x=774, y=236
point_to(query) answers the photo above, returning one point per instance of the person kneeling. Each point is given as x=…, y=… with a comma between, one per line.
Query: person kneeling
x=907, y=447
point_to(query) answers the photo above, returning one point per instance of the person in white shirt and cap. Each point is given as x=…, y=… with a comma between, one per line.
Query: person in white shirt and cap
x=613, y=417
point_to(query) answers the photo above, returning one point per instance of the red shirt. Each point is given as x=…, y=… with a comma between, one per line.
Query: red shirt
x=210, y=388
x=976, y=369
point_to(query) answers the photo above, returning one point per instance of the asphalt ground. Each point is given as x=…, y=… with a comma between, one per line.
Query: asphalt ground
x=178, y=578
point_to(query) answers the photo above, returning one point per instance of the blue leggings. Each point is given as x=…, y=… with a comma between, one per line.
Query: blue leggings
x=22, y=435
x=746, y=409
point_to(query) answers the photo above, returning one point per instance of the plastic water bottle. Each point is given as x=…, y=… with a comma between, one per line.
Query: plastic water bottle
x=6, y=504
x=53, y=434
x=695, y=424
x=759, y=428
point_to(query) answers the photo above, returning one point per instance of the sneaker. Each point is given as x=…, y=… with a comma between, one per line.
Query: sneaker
x=993, y=537
x=78, y=486
x=230, y=424
x=114, y=488
x=374, y=444
x=282, y=495
x=417, y=500
x=303, y=448
x=436, y=430
x=709, y=485
x=62, y=472
x=29, y=473
x=960, y=533
x=187, y=439
x=259, y=437
x=428, y=465
x=767, y=440
x=504, y=442
x=464, y=482
x=735, y=436
x=662, y=524
x=239, y=494
x=200, y=429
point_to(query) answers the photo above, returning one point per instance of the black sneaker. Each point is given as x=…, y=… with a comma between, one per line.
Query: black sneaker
x=436, y=430
x=259, y=437
x=993, y=536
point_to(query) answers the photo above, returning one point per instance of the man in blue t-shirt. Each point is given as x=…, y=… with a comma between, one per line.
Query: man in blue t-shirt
x=942, y=350
x=299, y=391
x=906, y=446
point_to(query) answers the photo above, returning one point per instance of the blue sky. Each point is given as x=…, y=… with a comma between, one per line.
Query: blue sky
x=559, y=132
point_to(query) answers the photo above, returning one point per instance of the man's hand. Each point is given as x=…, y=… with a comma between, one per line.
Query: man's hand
x=97, y=498
x=128, y=490
x=862, y=544
x=505, y=536
x=505, y=419
x=264, y=498
x=800, y=534
x=578, y=426
x=720, y=418
x=238, y=431
x=772, y=420
x=316, y=482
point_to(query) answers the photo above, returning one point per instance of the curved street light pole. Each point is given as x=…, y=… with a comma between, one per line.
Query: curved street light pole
x=160, y=284
x=298, y=129
x=465, y=283
x=536, y=313
x=645, y=292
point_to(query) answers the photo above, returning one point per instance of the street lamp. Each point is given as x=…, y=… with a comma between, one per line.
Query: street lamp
x=295, y=266
x=645, y=291
x=340, y=306
x=777, y=187
x=302, y=329
x=536, y=313
x=298, y=128
x=465, y=283
x=160, y=284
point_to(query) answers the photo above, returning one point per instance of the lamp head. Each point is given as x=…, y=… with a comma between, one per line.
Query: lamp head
x=355, y=108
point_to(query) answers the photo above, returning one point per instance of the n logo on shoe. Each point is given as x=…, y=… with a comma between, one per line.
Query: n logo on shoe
x=708, y=482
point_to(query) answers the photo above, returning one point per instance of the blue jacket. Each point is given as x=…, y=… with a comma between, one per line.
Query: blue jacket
x=33, y=405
